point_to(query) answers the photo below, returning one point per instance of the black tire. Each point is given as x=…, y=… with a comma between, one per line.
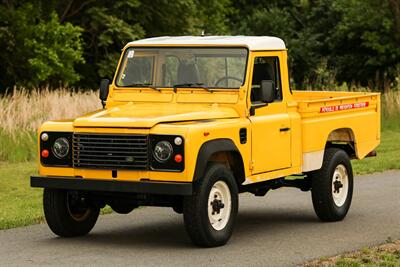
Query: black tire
x=195, y=208
x=178, y=208
x=65, y=219
x=322, y=186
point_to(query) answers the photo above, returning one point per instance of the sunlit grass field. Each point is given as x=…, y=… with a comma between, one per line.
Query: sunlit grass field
x=23, y=112
x=388, y=155
x=20, y=204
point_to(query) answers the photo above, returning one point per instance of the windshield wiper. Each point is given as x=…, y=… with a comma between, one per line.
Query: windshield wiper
x=145, y=85
x=191, y=85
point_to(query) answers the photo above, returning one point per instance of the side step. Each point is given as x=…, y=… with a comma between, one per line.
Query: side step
x=261, y=188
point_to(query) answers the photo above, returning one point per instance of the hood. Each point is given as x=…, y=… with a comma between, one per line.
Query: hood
x=146, y=116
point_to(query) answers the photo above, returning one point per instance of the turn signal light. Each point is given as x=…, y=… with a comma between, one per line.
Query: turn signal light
x=45, y=153
x=178, y=158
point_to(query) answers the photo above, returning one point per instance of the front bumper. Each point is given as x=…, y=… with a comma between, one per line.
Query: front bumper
x=144, y=187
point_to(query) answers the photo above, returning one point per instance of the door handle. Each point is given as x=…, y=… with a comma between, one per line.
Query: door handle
x=284, y=129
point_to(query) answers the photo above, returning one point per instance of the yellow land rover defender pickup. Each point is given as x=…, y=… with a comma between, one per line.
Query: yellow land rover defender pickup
x=191, y=122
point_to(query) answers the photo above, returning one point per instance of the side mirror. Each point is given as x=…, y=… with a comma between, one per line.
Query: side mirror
x=267, y=91
x=104, y=87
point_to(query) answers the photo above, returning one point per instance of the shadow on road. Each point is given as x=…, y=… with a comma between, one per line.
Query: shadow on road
x=169, y=233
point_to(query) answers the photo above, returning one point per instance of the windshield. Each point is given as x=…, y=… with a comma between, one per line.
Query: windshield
x=183, y=67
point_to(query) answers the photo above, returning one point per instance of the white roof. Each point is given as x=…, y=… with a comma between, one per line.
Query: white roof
x=251, y=42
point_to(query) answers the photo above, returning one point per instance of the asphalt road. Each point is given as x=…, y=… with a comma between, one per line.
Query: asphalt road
x=279, y=229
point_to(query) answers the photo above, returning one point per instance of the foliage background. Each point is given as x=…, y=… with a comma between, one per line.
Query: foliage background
x=75, y=43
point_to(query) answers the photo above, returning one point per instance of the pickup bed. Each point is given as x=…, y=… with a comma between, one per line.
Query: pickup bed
x=342, y=116
x=191, y=122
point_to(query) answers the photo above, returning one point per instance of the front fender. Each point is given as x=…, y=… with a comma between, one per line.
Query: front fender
x=211, y=147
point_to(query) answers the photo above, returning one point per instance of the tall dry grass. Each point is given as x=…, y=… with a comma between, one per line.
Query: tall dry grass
x=391, y=101
x=24, y=110
x=391, y=111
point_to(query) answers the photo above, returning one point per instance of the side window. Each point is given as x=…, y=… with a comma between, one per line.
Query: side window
x=266, y=68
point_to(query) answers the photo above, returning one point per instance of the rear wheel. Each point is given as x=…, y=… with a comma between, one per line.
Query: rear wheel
x=67, y=213
x=210, y=213
x=332, y=186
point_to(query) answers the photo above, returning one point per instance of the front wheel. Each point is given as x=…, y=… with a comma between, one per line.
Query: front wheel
x=67, y=213
x=332, y=186
x=210, y=213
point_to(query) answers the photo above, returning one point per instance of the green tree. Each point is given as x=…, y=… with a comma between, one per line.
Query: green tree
x=52, y=41
x=79, y=41
x=182, y=17
x=37, y=49
x=356, y=41
x=364, y=43
x=289, y=21
x=108, y=26
x=212, y=17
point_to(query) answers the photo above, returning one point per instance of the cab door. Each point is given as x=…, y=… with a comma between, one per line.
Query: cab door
x=270, y=122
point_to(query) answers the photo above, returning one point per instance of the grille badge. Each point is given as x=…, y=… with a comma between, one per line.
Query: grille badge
x=129, y=159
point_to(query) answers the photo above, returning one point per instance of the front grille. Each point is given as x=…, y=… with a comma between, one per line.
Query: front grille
x=110, y=151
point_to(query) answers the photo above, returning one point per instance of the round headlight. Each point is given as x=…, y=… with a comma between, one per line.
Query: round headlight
x=61, y=148
x=163, y=151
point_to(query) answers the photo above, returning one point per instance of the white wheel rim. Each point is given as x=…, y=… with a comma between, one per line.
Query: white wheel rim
x=340, y=185
x=219, y=205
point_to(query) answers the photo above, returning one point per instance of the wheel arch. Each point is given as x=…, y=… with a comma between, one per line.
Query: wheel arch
x=344, y=139
x=221, y=150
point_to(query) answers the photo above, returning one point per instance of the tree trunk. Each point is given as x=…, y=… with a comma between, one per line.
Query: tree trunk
x=395, y=8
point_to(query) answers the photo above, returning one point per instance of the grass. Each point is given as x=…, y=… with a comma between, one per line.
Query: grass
x=20, y=204
x=386, y=255
x=25, y=111
x=18, y=147
x=388, y=155
x=22, y=113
